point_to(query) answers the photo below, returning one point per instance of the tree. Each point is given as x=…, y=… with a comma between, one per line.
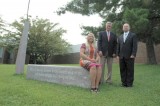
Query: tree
x=44, y=40
x=5, y=39
x=142, y=15
x=1, y=25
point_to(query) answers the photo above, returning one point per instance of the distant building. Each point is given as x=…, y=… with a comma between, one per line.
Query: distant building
x=72, y=57
x=6, y=57
x=9, y=56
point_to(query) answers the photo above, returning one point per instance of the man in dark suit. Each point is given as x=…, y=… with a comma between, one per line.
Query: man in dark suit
x=126, y=51
x=107, y=43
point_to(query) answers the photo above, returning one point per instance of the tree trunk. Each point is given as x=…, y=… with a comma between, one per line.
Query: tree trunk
x=151, y=58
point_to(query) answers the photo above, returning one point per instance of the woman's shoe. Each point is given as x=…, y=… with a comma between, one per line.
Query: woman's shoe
x=92, y=89
x=96, y=90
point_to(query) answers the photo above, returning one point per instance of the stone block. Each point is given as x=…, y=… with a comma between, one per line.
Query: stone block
x=67, y=75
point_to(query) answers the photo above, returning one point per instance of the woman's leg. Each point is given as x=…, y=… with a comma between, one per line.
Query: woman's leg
x=93, y=76
x=98, y=75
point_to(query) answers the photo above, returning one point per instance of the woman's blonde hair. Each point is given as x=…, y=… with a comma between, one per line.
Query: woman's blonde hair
x=94, y=40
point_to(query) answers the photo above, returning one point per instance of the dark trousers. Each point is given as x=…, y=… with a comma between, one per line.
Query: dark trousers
x=127, y=71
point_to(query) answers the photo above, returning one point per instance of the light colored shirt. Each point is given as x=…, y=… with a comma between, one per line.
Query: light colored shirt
x=108, y=35
x=125, y=36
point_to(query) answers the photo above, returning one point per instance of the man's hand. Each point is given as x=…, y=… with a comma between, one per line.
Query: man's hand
x=132, y=56
x=114, y=55
x=100, y=53
x=117, y=57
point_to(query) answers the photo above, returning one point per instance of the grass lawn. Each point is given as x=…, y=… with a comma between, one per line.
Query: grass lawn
x=15, y=90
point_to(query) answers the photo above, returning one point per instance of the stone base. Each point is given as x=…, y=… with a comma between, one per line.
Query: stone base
x=68, y=75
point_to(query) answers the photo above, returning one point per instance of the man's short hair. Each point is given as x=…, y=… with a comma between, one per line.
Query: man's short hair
x=108, y=22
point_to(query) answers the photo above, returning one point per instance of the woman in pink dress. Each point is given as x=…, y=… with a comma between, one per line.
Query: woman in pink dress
x=89, y=59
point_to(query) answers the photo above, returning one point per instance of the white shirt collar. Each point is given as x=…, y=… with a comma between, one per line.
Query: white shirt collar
x=126, y=32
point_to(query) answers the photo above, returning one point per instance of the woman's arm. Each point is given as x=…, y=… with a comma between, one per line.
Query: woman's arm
x=82, y=55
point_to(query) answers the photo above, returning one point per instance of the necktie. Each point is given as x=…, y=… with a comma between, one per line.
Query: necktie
x=108, y=35
x=125, y=36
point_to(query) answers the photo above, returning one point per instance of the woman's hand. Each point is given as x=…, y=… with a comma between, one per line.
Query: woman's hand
x=93, y=60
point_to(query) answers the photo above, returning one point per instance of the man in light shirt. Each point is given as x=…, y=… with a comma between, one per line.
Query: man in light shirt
x=126, y=52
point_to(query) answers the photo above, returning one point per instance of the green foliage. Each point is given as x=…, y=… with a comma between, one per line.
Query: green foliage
x=88, y=29
x=44, y=40
x=136, y=18
x=15, y=90
x=1, y=25
x=9, y=41
x=3, y=29
x=143, y=15
x=6, y=38
x=89, y=7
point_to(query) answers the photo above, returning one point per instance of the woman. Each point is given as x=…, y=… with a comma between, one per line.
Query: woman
x=89, y=59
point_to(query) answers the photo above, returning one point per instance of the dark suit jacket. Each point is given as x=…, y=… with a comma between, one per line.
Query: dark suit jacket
x=108, y=48
x=125, y=50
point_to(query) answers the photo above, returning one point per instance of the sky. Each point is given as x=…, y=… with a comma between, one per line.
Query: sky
x=11, y=10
